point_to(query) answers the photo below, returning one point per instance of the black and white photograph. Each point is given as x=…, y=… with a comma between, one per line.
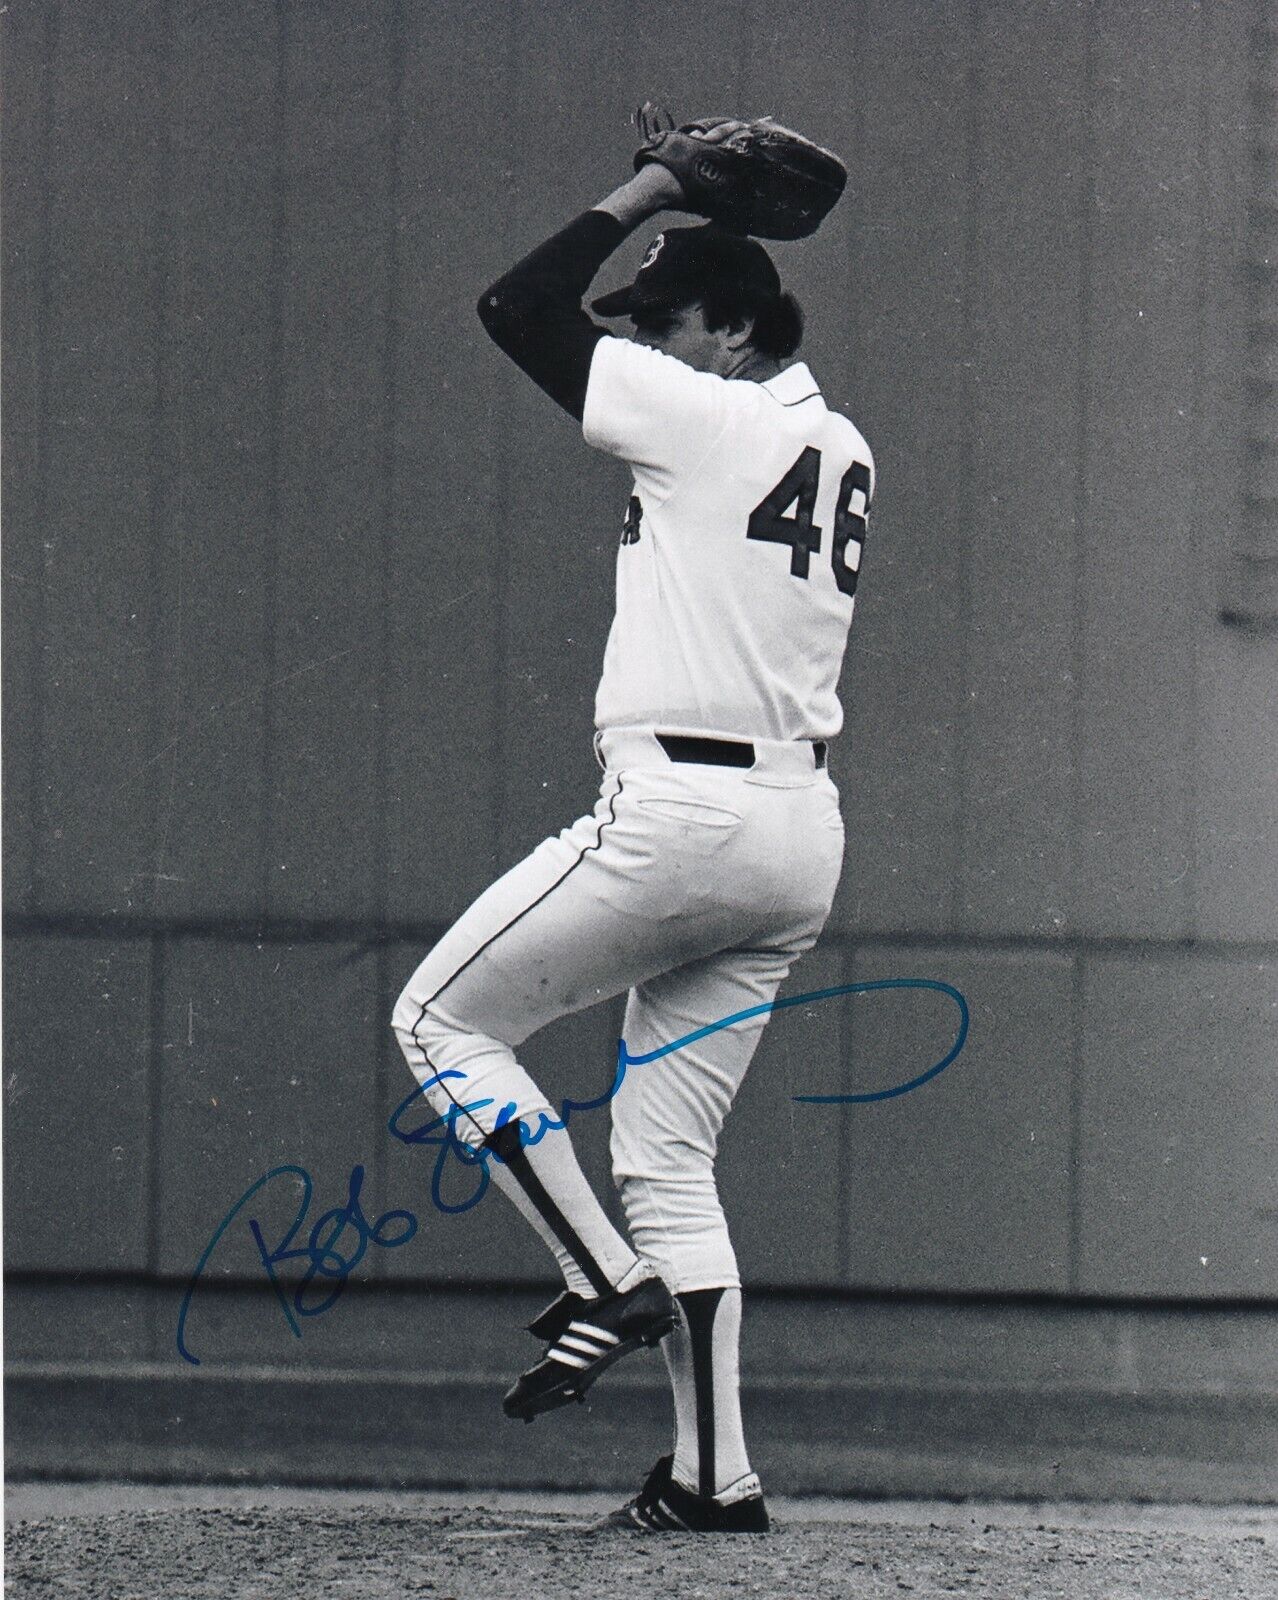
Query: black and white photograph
x=640, y=769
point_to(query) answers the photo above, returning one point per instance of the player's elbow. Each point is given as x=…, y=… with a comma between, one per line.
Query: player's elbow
x=490, y=307
x=502, y=313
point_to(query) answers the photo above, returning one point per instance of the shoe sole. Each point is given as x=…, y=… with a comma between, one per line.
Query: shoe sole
x=625, y=1520
x=577, y=1380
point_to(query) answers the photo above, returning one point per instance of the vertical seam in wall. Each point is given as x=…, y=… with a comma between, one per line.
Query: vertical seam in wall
x=967, y=495
x=275, y=378
x=154, y=1100
x=855, y=255
x=1086, y=202
x=40, y=488
x=1194, y=617
x=389, y=458
x=380, y=1044
x=165, y=563
x=397, y=48
x=1253, y=555
x=745, y=54
x=501, y=522
x=846, y=1042
x=1077, y=998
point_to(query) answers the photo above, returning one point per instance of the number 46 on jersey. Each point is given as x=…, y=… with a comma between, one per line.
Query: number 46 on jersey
x=774, y=521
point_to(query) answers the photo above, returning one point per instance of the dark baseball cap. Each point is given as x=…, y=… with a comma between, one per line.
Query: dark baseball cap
x=682, y=263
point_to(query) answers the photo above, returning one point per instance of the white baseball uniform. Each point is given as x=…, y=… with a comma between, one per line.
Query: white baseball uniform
x=695, y=883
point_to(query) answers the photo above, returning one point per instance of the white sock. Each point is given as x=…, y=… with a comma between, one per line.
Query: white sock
x=703, y=1358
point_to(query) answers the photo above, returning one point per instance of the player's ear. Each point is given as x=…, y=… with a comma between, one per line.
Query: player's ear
x=740, y=331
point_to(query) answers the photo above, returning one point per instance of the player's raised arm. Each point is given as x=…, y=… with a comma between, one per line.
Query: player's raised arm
x=534, y=311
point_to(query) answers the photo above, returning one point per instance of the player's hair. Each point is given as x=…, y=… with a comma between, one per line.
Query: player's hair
x=778, y=322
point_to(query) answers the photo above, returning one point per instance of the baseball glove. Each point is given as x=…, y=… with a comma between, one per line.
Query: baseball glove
x=750, y=177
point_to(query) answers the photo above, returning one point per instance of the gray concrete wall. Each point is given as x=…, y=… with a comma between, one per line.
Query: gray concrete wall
x=306, y=593
x=889, y=1395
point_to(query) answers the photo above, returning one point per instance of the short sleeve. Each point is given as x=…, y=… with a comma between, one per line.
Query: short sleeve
x=659, y=414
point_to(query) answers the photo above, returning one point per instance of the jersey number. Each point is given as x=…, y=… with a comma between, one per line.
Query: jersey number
x=774, y=521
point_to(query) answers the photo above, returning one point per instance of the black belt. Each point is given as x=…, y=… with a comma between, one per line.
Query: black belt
x=719, y=752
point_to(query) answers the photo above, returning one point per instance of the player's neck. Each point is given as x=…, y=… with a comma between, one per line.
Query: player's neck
x=753, y=367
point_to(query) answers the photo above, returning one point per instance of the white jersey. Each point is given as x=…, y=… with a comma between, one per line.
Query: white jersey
x=737, y=568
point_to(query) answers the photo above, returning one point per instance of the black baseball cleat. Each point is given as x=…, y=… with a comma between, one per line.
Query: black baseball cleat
x=664, y=1506
x=584, y=1346
x=551, y=1322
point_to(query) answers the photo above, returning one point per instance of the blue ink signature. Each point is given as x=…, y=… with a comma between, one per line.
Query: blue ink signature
x=441, y=1131
x=625, y=1058
x=326, y=1261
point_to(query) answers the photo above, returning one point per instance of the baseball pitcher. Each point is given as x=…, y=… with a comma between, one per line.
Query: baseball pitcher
x=710, y=861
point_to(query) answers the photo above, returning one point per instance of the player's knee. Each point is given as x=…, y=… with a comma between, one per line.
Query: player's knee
x=640, y=1149
x=404, y=1020
x=673, y=1169
x=679, y=1224
x=418, y=1028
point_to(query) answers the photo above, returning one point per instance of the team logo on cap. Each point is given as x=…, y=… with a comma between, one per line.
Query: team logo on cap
x=654, y=250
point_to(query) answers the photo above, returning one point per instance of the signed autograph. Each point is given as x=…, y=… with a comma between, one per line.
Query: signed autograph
x=320, y=1252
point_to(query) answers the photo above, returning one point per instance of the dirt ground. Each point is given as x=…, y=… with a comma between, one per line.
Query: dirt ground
x=338, y=1546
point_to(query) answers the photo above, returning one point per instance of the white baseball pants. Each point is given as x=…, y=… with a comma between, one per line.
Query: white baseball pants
x=692, y=886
